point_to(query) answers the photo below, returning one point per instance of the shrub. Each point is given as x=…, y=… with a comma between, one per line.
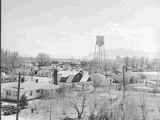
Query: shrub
x=23, y=101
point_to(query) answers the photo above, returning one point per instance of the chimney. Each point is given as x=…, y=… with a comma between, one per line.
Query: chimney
x=54, y=77
x=36, y=80
x=22, y=80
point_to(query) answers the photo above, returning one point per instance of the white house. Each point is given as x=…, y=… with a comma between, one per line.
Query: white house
x=30, y=89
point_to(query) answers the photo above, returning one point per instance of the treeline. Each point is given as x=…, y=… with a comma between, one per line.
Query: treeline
x=10, y=60
x=135, y=64
x=141, y=63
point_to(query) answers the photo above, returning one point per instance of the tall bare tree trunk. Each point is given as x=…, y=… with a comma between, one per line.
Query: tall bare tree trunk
x=123, y=97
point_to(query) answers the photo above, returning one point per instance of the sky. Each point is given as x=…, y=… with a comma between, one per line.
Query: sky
x=68, y=28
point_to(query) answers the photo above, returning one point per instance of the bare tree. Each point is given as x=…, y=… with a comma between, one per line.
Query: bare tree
x=104, y=109
x=9, y=59
x=43, y=59
x=155, y=90
x=159, y=109
x=79, y=104
x=143, y=107
x=61, y=94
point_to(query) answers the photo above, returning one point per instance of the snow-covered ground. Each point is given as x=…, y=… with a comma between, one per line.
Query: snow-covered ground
x=43, y=106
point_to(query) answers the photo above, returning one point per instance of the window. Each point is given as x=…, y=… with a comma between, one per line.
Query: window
x=41, y=91
x=8, y=93
x=31, y=93
x=37, y=91
x=14, y=94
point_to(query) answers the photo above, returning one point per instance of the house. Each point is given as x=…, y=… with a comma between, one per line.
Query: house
x=30, y=89
x=5, y=78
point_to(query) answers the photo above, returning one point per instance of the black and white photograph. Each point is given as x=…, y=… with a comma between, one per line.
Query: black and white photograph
x=80, y=60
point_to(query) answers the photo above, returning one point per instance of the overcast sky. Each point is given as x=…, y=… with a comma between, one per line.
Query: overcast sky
x=69, y=27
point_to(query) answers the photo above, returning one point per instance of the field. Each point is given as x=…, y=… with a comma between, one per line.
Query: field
x=136, y=104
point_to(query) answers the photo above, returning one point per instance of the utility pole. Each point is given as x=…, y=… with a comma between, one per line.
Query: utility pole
x=0, y=96
x=1, y=72
x=32, y=74
x=123, y=96
x=50, y=112
x=18, y=93
x=124, y=70
x=55, y=76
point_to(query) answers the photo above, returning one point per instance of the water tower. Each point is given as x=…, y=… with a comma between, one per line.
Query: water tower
x=99, y=53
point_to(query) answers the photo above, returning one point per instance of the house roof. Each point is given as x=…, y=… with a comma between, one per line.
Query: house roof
x=67, y=73
x=98, y=77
